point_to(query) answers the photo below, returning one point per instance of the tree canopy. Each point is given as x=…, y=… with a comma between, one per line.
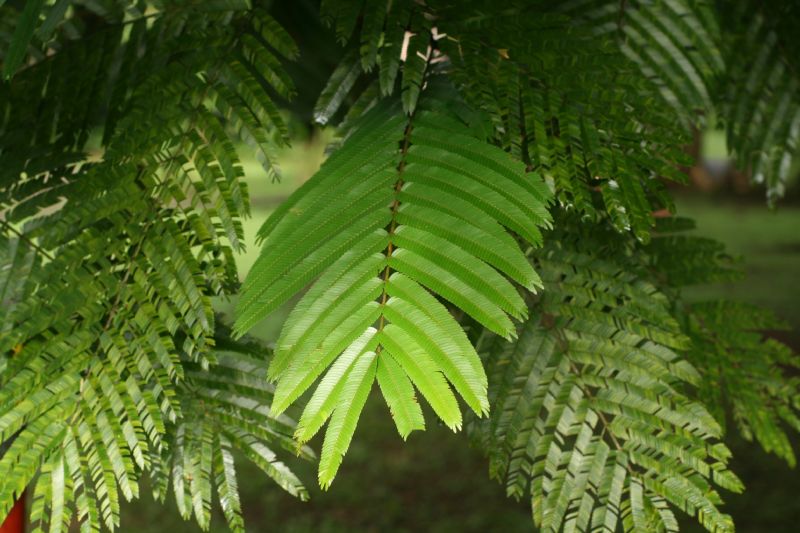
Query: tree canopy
x=492, y=233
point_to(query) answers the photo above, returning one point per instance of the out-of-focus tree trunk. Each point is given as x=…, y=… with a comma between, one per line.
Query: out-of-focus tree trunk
x=711, y=175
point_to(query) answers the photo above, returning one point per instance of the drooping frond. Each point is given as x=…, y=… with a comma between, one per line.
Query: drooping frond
x=225, y=408
x=162, y=77
x=90, y=434
x=599, y=155
x=565, y=100
x=405, y=208
x=676, y=45
x=122, y=130
x=745, y=375
x=92, y=452
x=759, y=95
x=561, y=97
x=737, y=60
x=587, y=91
x=589, y=417
x=754, y=377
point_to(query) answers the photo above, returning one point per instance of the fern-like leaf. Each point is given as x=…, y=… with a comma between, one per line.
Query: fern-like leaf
x=745, y=375
x=590, y=417
x=758, y=95
x=110, y=262
x=743, y=370
x=97, y=458
x=225, y=409
x=426, y=208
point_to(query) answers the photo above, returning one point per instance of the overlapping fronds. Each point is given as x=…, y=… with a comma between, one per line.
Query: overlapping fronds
x=147, y=229
x=752, y=377
x=90, y=443
x=93, y=449
x=121, y=199
x=404, y=207
x=225, y=408
x=587, y=91
x=759, y=96
x=736, y=60
x=745, y=375
x=157, y=74
x=392, y=47
x=111, y=258
x=561, y=98
x=602, y=152
x=40, y=28
x=566, y=101
x=588, y=414
x=675, y=43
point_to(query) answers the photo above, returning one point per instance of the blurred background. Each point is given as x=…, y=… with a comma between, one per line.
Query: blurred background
x=435, y=481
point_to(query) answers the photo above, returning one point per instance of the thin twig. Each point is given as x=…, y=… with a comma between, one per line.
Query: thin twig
x=27, y=239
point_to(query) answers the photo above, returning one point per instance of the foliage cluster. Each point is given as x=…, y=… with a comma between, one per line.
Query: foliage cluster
x=491, y=234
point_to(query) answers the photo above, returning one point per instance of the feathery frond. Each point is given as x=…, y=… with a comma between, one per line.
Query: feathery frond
x=113, y=258
x=93, y=452
x=759, y=100
x=752, y=376
x=676, y=45
x=589, y=415
x=428, y=208
x=225, y=408
x=745, y=375
x=566, y=101
x=735, y=60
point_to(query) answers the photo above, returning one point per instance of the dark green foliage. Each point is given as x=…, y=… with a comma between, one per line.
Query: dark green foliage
x=595, y=130
x=745, y=374
x=114, y=258
x=465, y=130
x=110, y=439
x=589, y=414
x=759, y=94
x=26, y=24
x=735, y=59
x=755, y=377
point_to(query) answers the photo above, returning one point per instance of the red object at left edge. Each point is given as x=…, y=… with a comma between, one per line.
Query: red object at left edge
x=15, y=521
